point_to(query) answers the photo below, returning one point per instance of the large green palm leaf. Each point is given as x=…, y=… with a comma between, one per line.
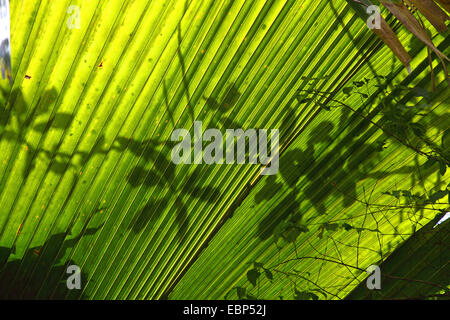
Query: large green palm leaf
x=85, y=171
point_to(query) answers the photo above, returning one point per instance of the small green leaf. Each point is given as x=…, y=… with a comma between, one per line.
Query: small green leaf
x=292, y=235
x=331, y=226
x=305, y=295
x=313, y=296
x=252, y=276
x=268, y=274
x=347, y=227
x=347, y=90
x=241, y=292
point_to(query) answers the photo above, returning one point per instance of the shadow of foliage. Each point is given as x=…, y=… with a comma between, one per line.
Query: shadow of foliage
x=162, y=175
x=40, y=274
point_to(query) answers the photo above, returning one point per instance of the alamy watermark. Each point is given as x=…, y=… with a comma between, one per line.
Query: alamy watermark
x=235, y=151
x=373, y=281
x=74, y=280
x=374, y=20
x=74, y=20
